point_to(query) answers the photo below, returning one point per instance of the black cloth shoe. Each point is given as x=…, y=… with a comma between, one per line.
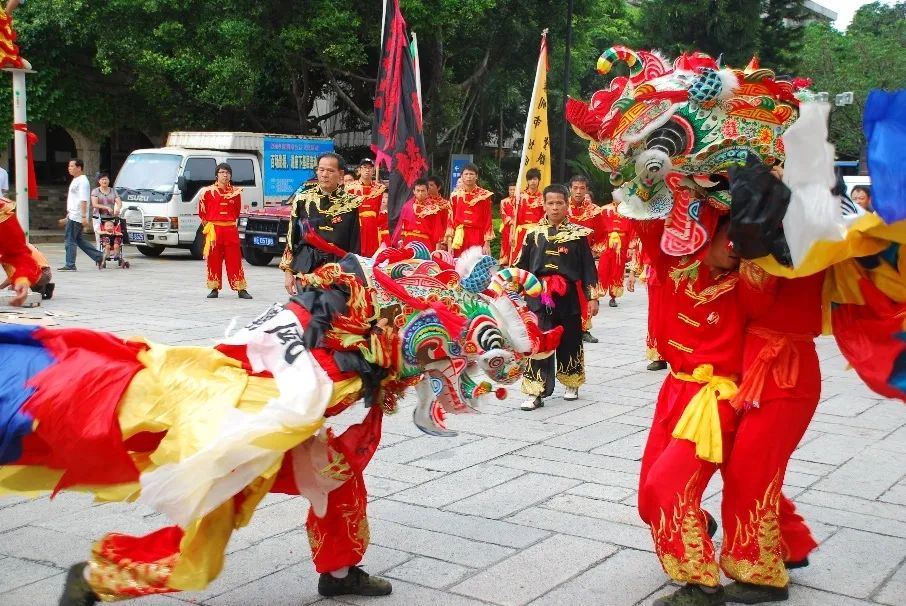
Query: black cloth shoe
x=244, y=294
x=738, y=592
x=67, y=268
x=796, y=564
x=213, y=294
x=357, y=582
x=47, y=293
x=77, y=591
x=613, y=303
x=712, y=525
x=589, y=338
x=657, y=365
x=692, y=595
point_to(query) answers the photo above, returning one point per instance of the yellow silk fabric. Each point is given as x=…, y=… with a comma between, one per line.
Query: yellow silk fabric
x=700, y=421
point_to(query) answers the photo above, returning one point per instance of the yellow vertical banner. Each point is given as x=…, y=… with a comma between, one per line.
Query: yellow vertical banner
x=536, y=144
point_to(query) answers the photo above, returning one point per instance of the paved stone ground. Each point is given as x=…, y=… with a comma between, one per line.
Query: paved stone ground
x=520, y=508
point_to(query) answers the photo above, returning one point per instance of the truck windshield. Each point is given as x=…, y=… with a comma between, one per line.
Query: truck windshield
x=148, y=177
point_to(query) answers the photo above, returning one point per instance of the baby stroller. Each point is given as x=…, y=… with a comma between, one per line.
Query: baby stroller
x=117, y=235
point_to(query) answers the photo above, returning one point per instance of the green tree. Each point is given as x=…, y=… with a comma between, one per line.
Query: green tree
x=781, y=34
x=868, y=56
x=718, y=27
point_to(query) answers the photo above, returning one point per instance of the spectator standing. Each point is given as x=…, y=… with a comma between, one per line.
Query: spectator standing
x=4, y=181
x=105, y=205
x=77, y=216
x=861, y=195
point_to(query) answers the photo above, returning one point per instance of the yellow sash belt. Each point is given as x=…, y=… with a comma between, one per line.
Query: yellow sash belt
x=700, y=422
x=210, y=235
x=459, y=236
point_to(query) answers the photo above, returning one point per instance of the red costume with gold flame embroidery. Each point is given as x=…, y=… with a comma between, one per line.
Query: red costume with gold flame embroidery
x=370, y=229
x=424, y=222
x=219, y=208
x=588, y=214
x=696, y=428
x=777, y=398
x=472, y=219
x=529, y=211
x=615, y=253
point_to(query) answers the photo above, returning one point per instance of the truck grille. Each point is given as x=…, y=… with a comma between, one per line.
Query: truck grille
x=133, y=218
x=264, y=227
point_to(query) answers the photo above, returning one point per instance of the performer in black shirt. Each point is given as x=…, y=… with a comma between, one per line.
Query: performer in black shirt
x=558, y=253
x=332, y=213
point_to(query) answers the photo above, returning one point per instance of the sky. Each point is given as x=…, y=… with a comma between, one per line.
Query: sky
x=845, y=10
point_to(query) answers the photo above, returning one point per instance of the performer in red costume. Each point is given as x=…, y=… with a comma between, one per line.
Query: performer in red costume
x=14, y=253
x=372, y=194
x=472, y=218
x=507, y=217
x=612, y=265
x=778, y=396
x=582, y=211
x=702, y=328
x=218, y=209
x=528, y=209
x=698, y=426
x=423, y=219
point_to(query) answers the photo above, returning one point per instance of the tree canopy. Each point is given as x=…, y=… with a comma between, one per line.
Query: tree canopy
x=868, y=55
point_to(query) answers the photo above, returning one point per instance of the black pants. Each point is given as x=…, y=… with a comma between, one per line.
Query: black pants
x=567, y=364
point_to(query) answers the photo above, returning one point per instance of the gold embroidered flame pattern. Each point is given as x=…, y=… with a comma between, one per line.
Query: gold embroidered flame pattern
x=115, y=578
x=755, y=552
x=681, y=543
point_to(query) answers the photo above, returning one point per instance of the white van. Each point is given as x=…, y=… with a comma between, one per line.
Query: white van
x=160, y=188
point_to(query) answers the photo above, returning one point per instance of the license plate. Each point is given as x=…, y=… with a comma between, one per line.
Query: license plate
x=136, y=236
x=263, y=241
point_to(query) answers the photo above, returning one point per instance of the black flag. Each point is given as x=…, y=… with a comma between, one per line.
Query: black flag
x=398, y=141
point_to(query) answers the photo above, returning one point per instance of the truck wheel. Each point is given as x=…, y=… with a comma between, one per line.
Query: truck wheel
x=197, y=247
x=151, y=251
x=256, y=257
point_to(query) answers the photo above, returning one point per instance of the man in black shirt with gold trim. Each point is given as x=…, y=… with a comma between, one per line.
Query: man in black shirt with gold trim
x=558, y=253
x=332, y=213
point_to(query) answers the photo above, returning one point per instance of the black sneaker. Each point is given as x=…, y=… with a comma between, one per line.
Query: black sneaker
x=796, y=564
x=213, y=294
x=692, y=595
x=613, y=303
x=77, y=591
x=67, y=268
x=589, y=338
x=738, y=592
x=357, y=582
x=657, y=365
x=244, y=294
x=47, y=293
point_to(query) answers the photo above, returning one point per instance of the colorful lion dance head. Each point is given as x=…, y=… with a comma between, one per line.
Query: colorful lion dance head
x=669, y=133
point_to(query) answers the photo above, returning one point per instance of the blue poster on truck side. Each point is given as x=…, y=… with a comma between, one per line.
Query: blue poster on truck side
x=287, y=163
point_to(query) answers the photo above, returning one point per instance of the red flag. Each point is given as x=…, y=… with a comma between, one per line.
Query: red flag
x=397, y=137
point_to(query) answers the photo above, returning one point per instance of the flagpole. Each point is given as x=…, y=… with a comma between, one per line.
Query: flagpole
x=566, y=78
x=523, y=162
x=418, y=72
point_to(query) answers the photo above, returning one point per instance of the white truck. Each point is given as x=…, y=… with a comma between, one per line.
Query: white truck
x=160, y=187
